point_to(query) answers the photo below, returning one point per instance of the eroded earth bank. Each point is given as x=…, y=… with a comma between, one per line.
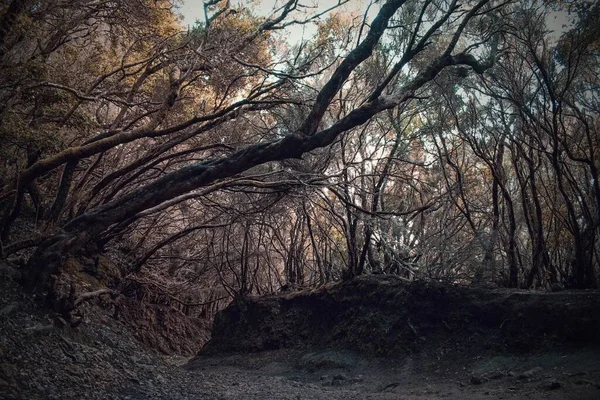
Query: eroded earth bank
x=374, y=337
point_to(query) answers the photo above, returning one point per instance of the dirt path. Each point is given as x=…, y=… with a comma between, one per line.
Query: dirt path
x=345, y=376
x=42, y=358
x=106, y=369
x=567, y=374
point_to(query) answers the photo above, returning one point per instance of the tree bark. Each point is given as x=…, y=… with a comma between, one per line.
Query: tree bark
x=7, y=22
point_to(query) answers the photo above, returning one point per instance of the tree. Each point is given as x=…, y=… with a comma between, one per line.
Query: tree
x=453, y=141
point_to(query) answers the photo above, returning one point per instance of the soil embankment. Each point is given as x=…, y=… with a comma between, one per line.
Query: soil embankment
x=378, y=337
x=383, y=315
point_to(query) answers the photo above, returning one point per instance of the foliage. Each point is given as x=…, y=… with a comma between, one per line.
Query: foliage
x=427, y=139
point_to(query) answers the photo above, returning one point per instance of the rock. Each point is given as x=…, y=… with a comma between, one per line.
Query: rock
x=135, y=381
x=339, y=379
x=497, y=375
x=390, y=386
x=555, y=385
x=328, y=360
x=41, y=330
x=9, y=309
x=530, y=373
x=160, y=379
x=579, y=373
x=476, y=380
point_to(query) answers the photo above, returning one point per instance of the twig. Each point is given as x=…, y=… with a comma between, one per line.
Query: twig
x=412, y=327
x=90, y=295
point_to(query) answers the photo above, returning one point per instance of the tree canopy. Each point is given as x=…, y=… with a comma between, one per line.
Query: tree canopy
x=425, y=138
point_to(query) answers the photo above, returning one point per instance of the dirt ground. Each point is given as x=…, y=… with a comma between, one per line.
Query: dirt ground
x=42, y=358
x=328, y=374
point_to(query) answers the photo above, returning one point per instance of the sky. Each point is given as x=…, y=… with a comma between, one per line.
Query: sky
x=192, y=10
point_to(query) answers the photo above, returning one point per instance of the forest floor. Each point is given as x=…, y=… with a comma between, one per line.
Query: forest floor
x=338, y=374
x=42, y=358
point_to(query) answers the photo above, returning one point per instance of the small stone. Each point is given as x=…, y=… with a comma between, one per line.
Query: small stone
x=340, y=377
x=580, y=373
x=530, y=373
x=9, y=309
x=41, y=330
x=497, y=375
x=555, y=385
x=339, y=380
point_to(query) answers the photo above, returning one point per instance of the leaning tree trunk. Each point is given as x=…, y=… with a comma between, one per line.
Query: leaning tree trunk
x=87, y=227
